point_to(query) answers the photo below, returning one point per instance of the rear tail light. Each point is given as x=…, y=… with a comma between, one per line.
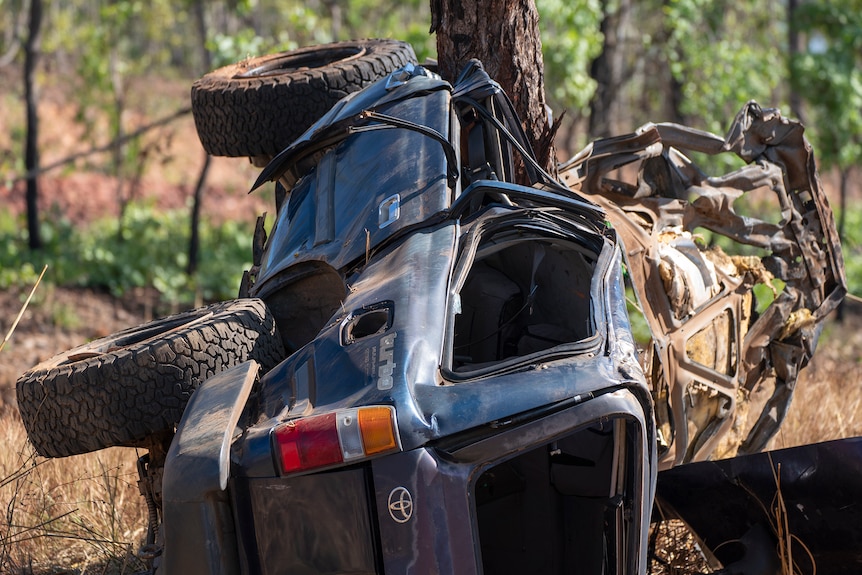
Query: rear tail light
x=343, y=436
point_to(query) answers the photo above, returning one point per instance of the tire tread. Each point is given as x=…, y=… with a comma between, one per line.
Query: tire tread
x=125, y=395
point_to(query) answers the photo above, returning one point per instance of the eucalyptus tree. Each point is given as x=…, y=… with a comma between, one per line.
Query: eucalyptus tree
x=504, y=36
x=32, y=49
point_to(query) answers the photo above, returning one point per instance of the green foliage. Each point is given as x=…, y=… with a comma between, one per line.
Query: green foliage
x=571, y=40
x=10, y=22
x=829, y=76
x=277, y=25
x=407, y=20
x=144, y=35
x=640, y=327
x=227, y=49
x=764, y=296
x=226, y=253
x=151, y=252
x=851, y=245
x=723, y=54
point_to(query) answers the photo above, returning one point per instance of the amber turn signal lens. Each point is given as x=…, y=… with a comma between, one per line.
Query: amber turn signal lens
x=377, y=429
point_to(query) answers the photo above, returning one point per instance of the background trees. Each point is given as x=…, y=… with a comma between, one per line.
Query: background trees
x=827, y=76
x=610, y=64
x=695, y=59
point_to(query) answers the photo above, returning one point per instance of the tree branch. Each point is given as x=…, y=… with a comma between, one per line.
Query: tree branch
x=110, y=146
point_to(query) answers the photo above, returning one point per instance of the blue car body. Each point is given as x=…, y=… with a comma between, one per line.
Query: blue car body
x=481, y=320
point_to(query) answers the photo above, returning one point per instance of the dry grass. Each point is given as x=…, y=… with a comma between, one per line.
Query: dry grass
x=787, y=541
x=827, y=403
x=77, y=515
x=83, y=515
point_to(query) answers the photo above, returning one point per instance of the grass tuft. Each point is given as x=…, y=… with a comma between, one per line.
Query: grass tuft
x=83, y=513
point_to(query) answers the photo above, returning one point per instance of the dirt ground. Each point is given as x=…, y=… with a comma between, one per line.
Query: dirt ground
x=59, y=319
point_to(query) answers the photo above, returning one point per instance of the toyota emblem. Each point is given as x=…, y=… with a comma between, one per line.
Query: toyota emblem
x=400, y=505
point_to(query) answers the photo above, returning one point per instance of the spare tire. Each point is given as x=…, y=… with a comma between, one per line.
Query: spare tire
x=124, y=388
x=257, y=107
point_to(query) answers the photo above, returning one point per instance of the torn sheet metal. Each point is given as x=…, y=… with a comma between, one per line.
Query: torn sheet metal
x=714, y=348
x=811, y=496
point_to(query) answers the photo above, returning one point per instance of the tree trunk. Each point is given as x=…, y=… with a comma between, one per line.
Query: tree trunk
x=674, y=85
x=194, y=236
x=794, y=45
x=842, y=217
x=118, y=152
x=608, y=71
x=336, y=16
x=31, y=146
x=504, y=36
x=197, y=198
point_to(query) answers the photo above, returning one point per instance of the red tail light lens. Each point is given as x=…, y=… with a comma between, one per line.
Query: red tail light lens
x=343, y=436
x=308, y=443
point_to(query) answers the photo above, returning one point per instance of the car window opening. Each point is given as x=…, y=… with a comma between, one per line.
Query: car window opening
x=522, y=297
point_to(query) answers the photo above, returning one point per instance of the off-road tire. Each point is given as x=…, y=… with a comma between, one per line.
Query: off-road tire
x=257, y=107
x=124, y=388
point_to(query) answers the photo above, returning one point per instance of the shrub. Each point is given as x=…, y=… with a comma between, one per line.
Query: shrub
x=149, y=250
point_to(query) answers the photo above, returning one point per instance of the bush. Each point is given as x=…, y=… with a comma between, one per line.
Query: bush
x=150, y=250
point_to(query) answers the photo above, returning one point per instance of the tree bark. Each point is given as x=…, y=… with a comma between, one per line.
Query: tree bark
x=842, y=217
x=504, y=36
x=118, y=153
x=673, y=113
x=197, y=198
x=31, y=145
x=608, y=70
x=194, y=234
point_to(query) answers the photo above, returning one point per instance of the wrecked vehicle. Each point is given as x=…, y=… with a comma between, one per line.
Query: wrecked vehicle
x=729, y=335
x=448, y=335
x=431, y=367
x=718, y=340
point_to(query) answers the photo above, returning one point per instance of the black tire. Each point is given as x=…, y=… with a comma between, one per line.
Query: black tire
x=134, y=384
x=257, y=107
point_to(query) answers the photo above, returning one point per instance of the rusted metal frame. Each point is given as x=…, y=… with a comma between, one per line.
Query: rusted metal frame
x=779, y=159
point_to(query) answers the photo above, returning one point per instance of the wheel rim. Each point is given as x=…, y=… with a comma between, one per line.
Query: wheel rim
x=297, y=62
x=156, y=329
